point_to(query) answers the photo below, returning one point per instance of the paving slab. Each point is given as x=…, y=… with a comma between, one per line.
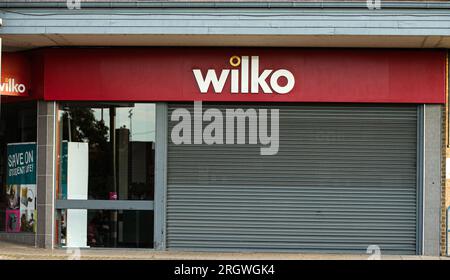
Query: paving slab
x=23, y=252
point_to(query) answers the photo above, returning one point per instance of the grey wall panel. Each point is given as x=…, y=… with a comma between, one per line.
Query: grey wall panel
x=160, y=176
x=432, y=179
x=344, y=178
x=226, y=21
x=46, y=166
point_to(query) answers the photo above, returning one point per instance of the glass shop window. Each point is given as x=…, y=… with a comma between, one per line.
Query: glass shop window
x=117, y=142
x=18, y=121
x=106, y=152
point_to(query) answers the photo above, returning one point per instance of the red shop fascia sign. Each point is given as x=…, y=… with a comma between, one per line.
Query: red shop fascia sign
x=239, y=75
x=15, y=75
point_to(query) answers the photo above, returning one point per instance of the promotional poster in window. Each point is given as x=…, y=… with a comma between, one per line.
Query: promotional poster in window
x=21, y=188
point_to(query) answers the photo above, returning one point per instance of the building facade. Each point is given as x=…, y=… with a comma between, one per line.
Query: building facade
x=289, y=126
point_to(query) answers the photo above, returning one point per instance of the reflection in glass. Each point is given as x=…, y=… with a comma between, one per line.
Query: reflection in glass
x=114, y=142
x=134, y=230
x=121, y=163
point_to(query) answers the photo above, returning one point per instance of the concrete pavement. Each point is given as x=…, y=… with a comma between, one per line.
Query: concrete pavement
x=11, y=251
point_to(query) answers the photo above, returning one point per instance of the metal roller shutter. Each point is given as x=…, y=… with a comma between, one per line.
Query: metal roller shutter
x=344, y=178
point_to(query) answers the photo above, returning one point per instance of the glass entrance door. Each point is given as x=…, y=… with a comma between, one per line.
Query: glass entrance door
x=106, y=159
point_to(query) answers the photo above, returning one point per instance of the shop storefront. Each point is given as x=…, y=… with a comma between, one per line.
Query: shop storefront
x=18, y=112
x=239, y=149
